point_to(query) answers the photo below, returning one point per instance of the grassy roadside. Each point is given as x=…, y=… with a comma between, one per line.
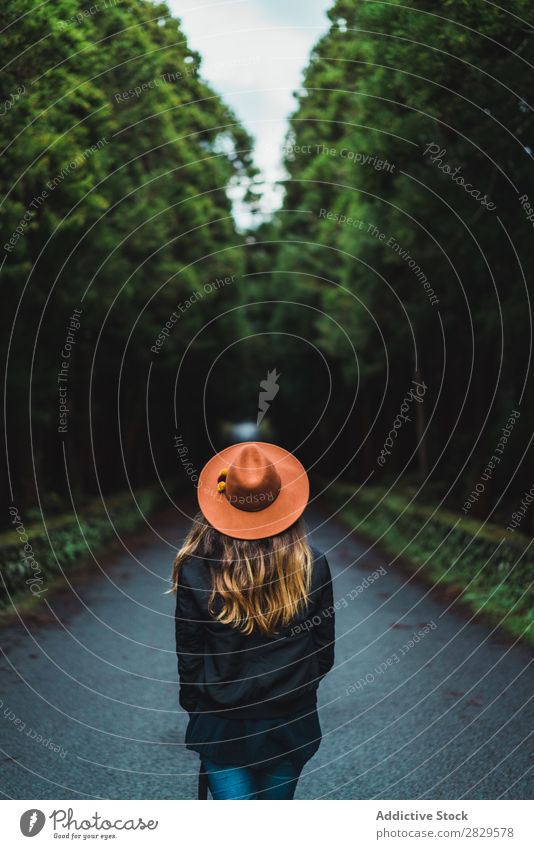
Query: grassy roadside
x=487, y=567
x=35, y=557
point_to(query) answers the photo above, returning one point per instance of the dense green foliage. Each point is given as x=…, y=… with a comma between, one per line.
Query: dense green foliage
x=117, y=163
x=404, y=266
x=116, y=216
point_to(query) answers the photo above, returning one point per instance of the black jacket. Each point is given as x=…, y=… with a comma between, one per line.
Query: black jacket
x=226, y=672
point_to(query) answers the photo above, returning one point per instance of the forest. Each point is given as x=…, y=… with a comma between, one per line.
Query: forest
x=391, y=291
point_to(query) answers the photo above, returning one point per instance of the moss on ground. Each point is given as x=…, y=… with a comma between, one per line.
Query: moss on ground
x=488, y=567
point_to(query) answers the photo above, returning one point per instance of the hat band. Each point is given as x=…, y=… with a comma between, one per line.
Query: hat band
x=252, y=502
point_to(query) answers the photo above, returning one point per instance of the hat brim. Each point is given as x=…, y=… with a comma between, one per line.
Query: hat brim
x=273, y=519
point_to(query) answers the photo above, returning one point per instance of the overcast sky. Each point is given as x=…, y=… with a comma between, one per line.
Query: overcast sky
x=253, y=52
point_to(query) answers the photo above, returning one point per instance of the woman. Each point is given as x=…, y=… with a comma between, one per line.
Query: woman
x=254, y=625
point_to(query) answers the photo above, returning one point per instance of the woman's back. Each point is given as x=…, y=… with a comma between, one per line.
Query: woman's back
x=254, y=624
x=257, y=674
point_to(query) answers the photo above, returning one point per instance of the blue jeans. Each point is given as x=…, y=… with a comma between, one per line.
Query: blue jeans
x=244, y=782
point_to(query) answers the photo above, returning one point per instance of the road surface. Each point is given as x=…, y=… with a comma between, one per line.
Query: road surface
x=88, y=688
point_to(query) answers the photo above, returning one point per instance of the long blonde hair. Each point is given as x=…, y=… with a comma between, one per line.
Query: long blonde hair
x=261, y=583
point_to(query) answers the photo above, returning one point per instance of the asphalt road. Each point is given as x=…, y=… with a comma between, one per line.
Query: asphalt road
x=88, y=688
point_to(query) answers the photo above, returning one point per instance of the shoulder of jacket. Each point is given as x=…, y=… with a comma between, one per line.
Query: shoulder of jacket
x=316, y=552
x=192, y=571
x=321, y=566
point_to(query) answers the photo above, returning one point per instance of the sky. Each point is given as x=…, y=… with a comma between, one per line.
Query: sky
x=253, y=53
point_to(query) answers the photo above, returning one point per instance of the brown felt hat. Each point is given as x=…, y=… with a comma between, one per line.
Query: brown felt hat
x=253, y=490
